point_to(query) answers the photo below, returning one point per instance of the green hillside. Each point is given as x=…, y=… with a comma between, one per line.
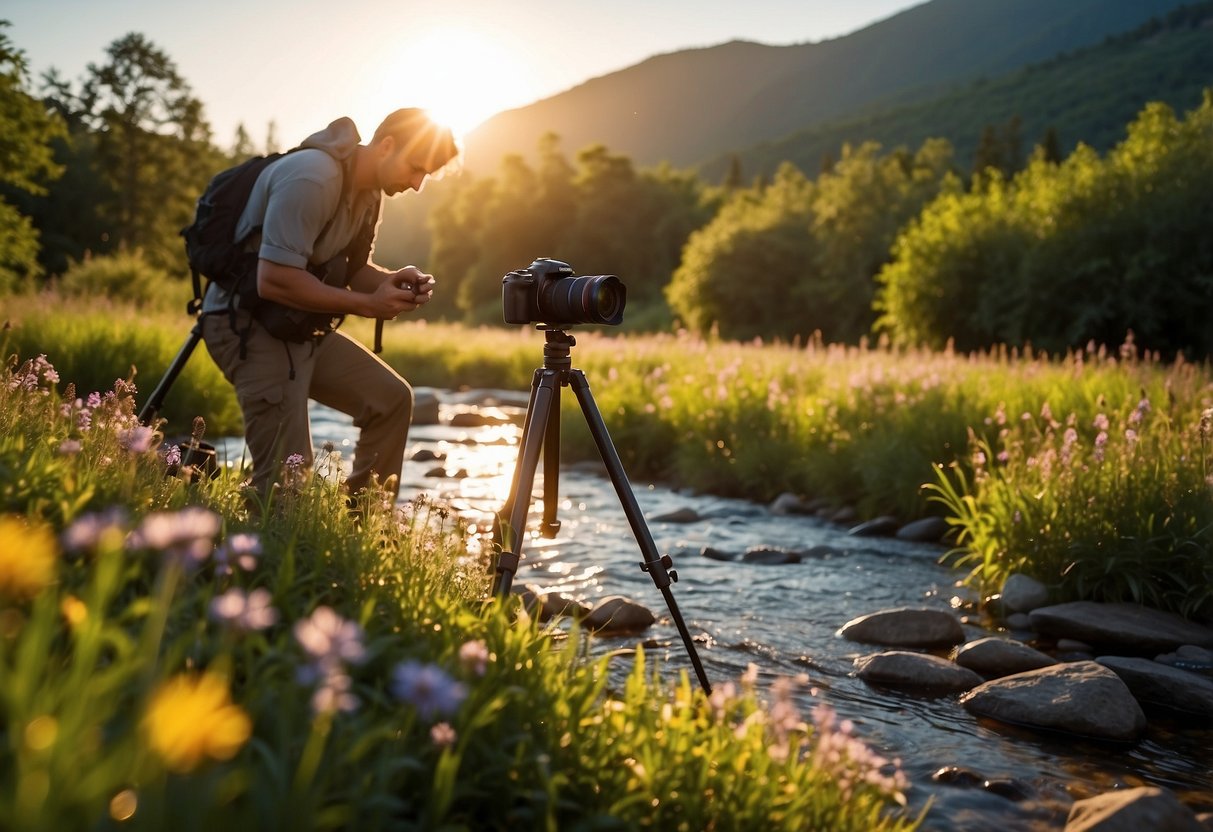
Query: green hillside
x=1085, y=96
x=690, y=106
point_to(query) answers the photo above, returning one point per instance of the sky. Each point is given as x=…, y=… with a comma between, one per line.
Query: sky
x=301, y=63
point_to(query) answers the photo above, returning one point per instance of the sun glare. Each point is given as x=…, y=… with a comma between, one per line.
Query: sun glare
x=462, y=76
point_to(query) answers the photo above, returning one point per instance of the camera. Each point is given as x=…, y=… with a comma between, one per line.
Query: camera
x=548, y=292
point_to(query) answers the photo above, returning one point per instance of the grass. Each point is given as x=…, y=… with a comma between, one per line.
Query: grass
x=172, y=656
x=890, y=431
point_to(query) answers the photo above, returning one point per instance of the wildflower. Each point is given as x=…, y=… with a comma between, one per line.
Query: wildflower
x=244, y=612
x=333, y=694
x=69, y=447
x=242, y=549
x=28, y=556
x=428, y=688
x=722, y=696
x=93, y=401
x=1130, y=437
x=172, y=456
x=191, y=717
x=95, y=530
x=851, y=761
x=1139, y=412
x=74, y=611
x=135, y=440
x=188, y=534
x=328, y=638
x=1101, y=422
x=294, y=461
x=474, y=656
x=443, y=735
x=1101, y=443
x=1206, y=424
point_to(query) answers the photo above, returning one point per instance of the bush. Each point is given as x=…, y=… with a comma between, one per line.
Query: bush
x=124, y=276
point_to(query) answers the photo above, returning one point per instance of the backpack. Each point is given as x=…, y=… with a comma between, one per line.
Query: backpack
x=214, y=253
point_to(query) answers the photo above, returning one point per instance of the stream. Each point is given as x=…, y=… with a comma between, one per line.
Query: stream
x=783, y=618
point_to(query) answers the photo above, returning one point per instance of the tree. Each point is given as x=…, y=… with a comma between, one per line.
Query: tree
x=152, y=145
x=858, y=209
x=1063, y=254
x=27, y=130
x=739, y=271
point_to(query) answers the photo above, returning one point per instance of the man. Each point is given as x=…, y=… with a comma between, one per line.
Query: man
x=305, y=214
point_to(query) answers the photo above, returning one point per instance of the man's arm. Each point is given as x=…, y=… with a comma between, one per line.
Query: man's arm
x=373, y=295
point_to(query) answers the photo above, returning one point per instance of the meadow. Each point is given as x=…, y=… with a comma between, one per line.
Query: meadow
x=1088, y=470
x=173, y=655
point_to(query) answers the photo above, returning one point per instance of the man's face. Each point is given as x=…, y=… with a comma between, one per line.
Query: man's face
x=399, y=169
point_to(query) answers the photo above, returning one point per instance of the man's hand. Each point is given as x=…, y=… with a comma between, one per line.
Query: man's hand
x=418, y=282
x=401, y=291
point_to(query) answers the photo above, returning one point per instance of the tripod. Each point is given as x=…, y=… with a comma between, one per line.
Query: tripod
x=541, y=431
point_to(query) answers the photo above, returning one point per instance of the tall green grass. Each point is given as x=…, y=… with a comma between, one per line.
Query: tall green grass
x=173, y=655
x=890, y=431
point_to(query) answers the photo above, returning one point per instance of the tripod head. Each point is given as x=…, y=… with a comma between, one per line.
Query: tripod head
x=557, y=349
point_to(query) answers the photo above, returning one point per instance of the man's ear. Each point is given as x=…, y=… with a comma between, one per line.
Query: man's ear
x=386, y=146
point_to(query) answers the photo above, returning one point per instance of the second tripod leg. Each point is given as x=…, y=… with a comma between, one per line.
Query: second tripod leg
x=658, y=567
x=545, y=396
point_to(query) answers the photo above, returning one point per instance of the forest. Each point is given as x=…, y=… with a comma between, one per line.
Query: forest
x=1022, y=246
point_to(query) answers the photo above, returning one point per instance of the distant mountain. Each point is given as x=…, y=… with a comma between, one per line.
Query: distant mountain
x=690, y=106
x=1089, y=95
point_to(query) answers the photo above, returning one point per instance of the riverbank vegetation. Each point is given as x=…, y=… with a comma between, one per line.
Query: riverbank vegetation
x=169, y=658
x=1089, y=470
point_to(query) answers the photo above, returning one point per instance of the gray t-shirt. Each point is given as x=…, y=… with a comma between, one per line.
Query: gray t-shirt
x=306, y=211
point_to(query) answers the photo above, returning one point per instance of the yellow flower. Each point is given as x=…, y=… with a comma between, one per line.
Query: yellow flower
x=28, y=554
x=191, y=716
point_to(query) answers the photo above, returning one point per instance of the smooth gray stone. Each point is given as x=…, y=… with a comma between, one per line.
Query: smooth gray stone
x=616, y=614
x=1021, y=593
x=1141, y=809
x=1154, y=683
x=905, y=627
x=995, y=657
x=1126, y=626
x=899, y=667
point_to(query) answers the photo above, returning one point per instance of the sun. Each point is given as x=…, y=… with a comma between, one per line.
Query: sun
x=462, y=76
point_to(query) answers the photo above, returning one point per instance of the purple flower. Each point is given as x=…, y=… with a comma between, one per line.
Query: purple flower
x=242, y=548
x=328, y=638
x=70, y=447
x=94, y=400
x=136, y=440
x=90, y=531
x=189, y=533
x=333, y=694
x=172, y=457
x=428, y=688
x=244, y=612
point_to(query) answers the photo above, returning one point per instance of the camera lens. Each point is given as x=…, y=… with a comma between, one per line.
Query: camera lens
x=591, y=299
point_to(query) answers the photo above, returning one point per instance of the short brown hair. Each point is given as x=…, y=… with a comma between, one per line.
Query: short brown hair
x=413, y=128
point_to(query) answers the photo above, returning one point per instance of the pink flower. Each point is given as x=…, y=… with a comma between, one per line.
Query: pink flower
x=135, y=440
x=474, y=657
x=443, y=735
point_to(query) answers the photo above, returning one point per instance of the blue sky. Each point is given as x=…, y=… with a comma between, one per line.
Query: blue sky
x=304, y=62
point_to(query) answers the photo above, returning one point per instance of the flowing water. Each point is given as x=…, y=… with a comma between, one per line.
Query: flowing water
x=784, y=619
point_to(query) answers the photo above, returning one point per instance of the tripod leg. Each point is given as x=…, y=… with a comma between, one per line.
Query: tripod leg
x=527, y=426
x=551, y=470
x=524, y=477
x=655, y=565
x=151, y=409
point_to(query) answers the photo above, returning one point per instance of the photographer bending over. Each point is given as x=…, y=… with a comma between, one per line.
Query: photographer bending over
x=311, y=218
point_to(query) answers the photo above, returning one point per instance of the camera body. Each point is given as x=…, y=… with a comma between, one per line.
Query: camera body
x=548, y=292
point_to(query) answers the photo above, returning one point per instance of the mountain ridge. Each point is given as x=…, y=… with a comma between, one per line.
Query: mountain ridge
x=688, y=106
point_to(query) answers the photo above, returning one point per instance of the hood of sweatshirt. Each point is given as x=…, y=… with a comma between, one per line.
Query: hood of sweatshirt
x=338, y=139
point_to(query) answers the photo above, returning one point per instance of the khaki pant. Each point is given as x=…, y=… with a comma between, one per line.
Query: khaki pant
x=338, y=372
